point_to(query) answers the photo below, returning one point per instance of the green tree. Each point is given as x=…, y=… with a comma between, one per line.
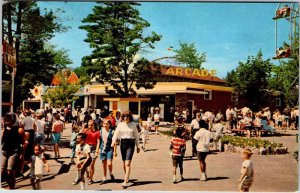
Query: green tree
x=64, y=94
x=286, y=79
x=116, y=33
x=27, y=29
x=250, y=80
x=188, y=55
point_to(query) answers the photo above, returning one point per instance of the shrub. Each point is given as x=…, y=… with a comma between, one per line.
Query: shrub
x=252, y=142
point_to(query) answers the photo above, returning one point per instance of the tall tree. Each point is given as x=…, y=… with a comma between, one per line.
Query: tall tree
x=116, y=33
x=188, y=55
x=27, y=29
x=250, y=80
x=286, y=79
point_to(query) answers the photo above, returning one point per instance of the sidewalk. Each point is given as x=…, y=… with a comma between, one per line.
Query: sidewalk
x=152, y=170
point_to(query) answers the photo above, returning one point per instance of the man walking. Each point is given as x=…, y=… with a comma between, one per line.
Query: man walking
x=203, y=139
x=194, y=128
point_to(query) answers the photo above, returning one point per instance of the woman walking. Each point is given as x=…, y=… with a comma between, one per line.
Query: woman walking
x=106, y=151
x=128, y=133
x=11, y=146
x=57, y=129
x=93, y=140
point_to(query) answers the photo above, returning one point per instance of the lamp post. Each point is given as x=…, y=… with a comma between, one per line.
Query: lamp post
x=12, y=74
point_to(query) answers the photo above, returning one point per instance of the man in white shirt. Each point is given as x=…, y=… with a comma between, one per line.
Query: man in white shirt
x=156, y=121
x=203, y=138
x=194, y=128
x=28, y=124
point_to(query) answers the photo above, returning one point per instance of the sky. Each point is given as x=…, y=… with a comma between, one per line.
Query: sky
x=227, y=32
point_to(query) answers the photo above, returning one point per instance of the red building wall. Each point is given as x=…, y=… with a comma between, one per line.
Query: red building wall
x=220, y=100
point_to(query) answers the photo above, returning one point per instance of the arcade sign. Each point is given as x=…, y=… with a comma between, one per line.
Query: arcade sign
x=190, y=72
x=9, y=55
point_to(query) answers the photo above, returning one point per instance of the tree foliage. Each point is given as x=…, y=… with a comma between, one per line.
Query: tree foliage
x=116, y=33
x=64, y=94
x=250, y=80
x=286, y=79
x=27, y=29
x=188, y=55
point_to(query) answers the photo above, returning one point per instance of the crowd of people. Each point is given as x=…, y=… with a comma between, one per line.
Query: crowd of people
x=97, y=133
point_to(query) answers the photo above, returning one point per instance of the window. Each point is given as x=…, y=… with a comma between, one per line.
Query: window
x=234, y=97
x=278, y=102
x=208, y=95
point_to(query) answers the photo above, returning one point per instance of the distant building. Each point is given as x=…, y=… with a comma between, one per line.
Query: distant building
x=176, y=87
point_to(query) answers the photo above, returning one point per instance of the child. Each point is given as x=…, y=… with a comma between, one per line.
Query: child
x=247, y=172
x=143, y=134
x=74, y=134
x=149, y=122
x=37, y=163
x=83, y=158
x=178, y=146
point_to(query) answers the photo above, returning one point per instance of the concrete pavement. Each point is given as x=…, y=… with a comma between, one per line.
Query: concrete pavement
x=152, y=170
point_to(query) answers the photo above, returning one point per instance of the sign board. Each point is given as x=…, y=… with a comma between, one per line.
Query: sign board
x=9, y=55
x=190, y=72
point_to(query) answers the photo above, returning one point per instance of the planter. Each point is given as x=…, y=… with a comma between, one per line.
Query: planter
x=256, y=151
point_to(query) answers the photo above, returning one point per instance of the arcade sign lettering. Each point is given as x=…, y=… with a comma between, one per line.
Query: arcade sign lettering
x=190, y=72
x=9, y=55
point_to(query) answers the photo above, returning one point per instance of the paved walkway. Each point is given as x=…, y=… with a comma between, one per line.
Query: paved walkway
x=152, y=170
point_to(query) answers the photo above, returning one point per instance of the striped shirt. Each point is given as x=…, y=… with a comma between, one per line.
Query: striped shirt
x=177, y=145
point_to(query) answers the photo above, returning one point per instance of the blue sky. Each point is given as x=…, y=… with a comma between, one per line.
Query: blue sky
x=226, y=32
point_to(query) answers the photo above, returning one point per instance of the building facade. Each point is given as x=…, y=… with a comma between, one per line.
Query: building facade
x=177, y=88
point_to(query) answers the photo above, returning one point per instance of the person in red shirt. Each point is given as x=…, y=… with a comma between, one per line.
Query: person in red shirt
x=112, y=119
x=93, y=140
x=178, y=147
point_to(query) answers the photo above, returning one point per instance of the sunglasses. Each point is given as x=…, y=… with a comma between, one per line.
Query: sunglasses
x=91, y=125
x=126, y=115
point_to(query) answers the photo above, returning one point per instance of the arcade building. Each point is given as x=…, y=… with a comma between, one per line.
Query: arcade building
x=177, y=87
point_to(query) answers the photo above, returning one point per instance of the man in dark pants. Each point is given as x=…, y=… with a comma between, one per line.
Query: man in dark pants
x=194, y=128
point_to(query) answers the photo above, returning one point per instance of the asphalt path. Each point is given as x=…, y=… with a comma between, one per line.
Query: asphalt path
x=152, y=169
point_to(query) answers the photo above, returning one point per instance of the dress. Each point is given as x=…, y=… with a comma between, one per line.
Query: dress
x=37, y=166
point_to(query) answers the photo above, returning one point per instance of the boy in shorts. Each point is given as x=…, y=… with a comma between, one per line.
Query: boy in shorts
x=178, y=146
x=83, y=158
x=37, y=164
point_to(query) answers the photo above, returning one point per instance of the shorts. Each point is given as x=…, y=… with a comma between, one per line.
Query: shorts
x=39, y=138
x=56, y=138
x=248, y=128
x=93, y=151
x=279, y=123
x=106, y=155
x=177, y=160
x=127, y=148
x=201, y=155
x=156, y=123
x=9, y=161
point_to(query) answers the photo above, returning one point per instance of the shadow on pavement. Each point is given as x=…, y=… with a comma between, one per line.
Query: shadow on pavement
x=140, y=183
x=190, y=179
x=151, y=150
x=63, y=169
x=217, y=178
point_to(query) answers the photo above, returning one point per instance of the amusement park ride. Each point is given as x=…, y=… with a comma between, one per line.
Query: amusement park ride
x=291, y=14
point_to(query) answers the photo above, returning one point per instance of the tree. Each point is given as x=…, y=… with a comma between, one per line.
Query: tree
x=115, y=32
x=286, y=79
x=250, y=80
x=63, y=94
x=187, y=54
x=27, y=29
